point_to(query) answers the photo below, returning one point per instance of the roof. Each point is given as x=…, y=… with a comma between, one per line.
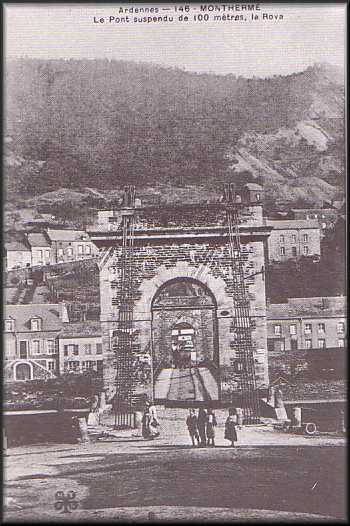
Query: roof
x=253, y=186
x=17, y=246
x=315, y=307
x=66, y=235
x=81, y=329
x=38, y=240
x=292, y=224
x=50, y=313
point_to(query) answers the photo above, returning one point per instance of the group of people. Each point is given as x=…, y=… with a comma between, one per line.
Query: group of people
x=201, y=427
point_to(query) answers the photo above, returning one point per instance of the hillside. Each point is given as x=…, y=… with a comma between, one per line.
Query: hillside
x=91, y=126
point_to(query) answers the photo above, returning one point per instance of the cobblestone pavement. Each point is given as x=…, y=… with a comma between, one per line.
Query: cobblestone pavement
x=270, y=475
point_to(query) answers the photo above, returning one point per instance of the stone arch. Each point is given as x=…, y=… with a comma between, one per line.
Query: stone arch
x=20, y=364
x=194, y=281
x=149, y=287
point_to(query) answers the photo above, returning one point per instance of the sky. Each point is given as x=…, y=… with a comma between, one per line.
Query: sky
x=308, y=34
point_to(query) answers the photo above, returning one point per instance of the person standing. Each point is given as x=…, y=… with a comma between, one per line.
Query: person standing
x=230, y=427
x=202, y=426
x=150, y=422
x=192, y=426
x=211, y=424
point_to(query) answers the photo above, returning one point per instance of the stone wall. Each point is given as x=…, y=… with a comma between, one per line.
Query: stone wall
x=207, y=262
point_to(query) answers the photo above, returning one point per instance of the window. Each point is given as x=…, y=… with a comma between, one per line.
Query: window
x=9, y=325
x=282, y=251
x=321, y=327
x=47, y=254
x=306, y=250
x=75, y=349
x=87, y=249
x=307, y=216
x=323, y=216
x=98, y=348
x=60, y=253
x=308, y=328
x=315, y=216
x=99, y=365
x=321, y=343
x=281, y=238
x=50, y=346
x=40, y=255
x=292, y=329
x=87, y=348
x=277, y=329
x=50, y=365
x=308, y=344
x=324, y=226
x=341, y=342
x=90, y=364
x=71, y=349
x=80, y=250
x=35, y=324
x=305, y=238
x=294, y=251
x=294, y=238
x=282, y=345
x=69, y=251
x=340, y=326
x=36, y=347
x=23, y=349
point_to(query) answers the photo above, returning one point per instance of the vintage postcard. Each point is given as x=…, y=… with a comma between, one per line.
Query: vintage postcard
x=174, y=292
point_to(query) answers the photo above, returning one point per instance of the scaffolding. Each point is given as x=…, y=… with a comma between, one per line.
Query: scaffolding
x=123, y=344
x=243, y=323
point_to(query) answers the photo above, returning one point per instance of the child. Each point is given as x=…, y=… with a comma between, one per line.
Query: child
x=192, y=426
x=211, y=423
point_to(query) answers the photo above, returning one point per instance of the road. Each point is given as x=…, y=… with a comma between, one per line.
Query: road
x=136, y=475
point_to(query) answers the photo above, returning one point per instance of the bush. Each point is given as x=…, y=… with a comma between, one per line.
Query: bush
x=75, y=389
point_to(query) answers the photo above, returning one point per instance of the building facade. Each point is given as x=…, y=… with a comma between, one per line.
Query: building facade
x=70, y=245
x=307, y=324
x=31, y=340
x=18, y=255
x=80, y=348
x=183, y=292
x=291, y=239
x=40, y=247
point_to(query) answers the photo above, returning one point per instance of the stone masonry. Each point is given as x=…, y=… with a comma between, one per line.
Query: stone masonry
x=186, y=243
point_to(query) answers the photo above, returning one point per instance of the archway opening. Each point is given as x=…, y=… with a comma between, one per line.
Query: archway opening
x=23, y=372
x=185, y=356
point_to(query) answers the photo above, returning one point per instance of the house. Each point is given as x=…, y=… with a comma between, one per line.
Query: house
x=31, y=340
x=291, y=239
x=18, y=255
x=306, y=324
x=80, y=347
x=40, y=247
x=70, y=245
x=326, y=217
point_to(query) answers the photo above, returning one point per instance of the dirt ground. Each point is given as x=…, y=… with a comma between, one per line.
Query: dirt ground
x=269, y=476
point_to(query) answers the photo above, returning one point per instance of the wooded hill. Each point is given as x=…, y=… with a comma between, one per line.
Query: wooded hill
x=101, y=124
